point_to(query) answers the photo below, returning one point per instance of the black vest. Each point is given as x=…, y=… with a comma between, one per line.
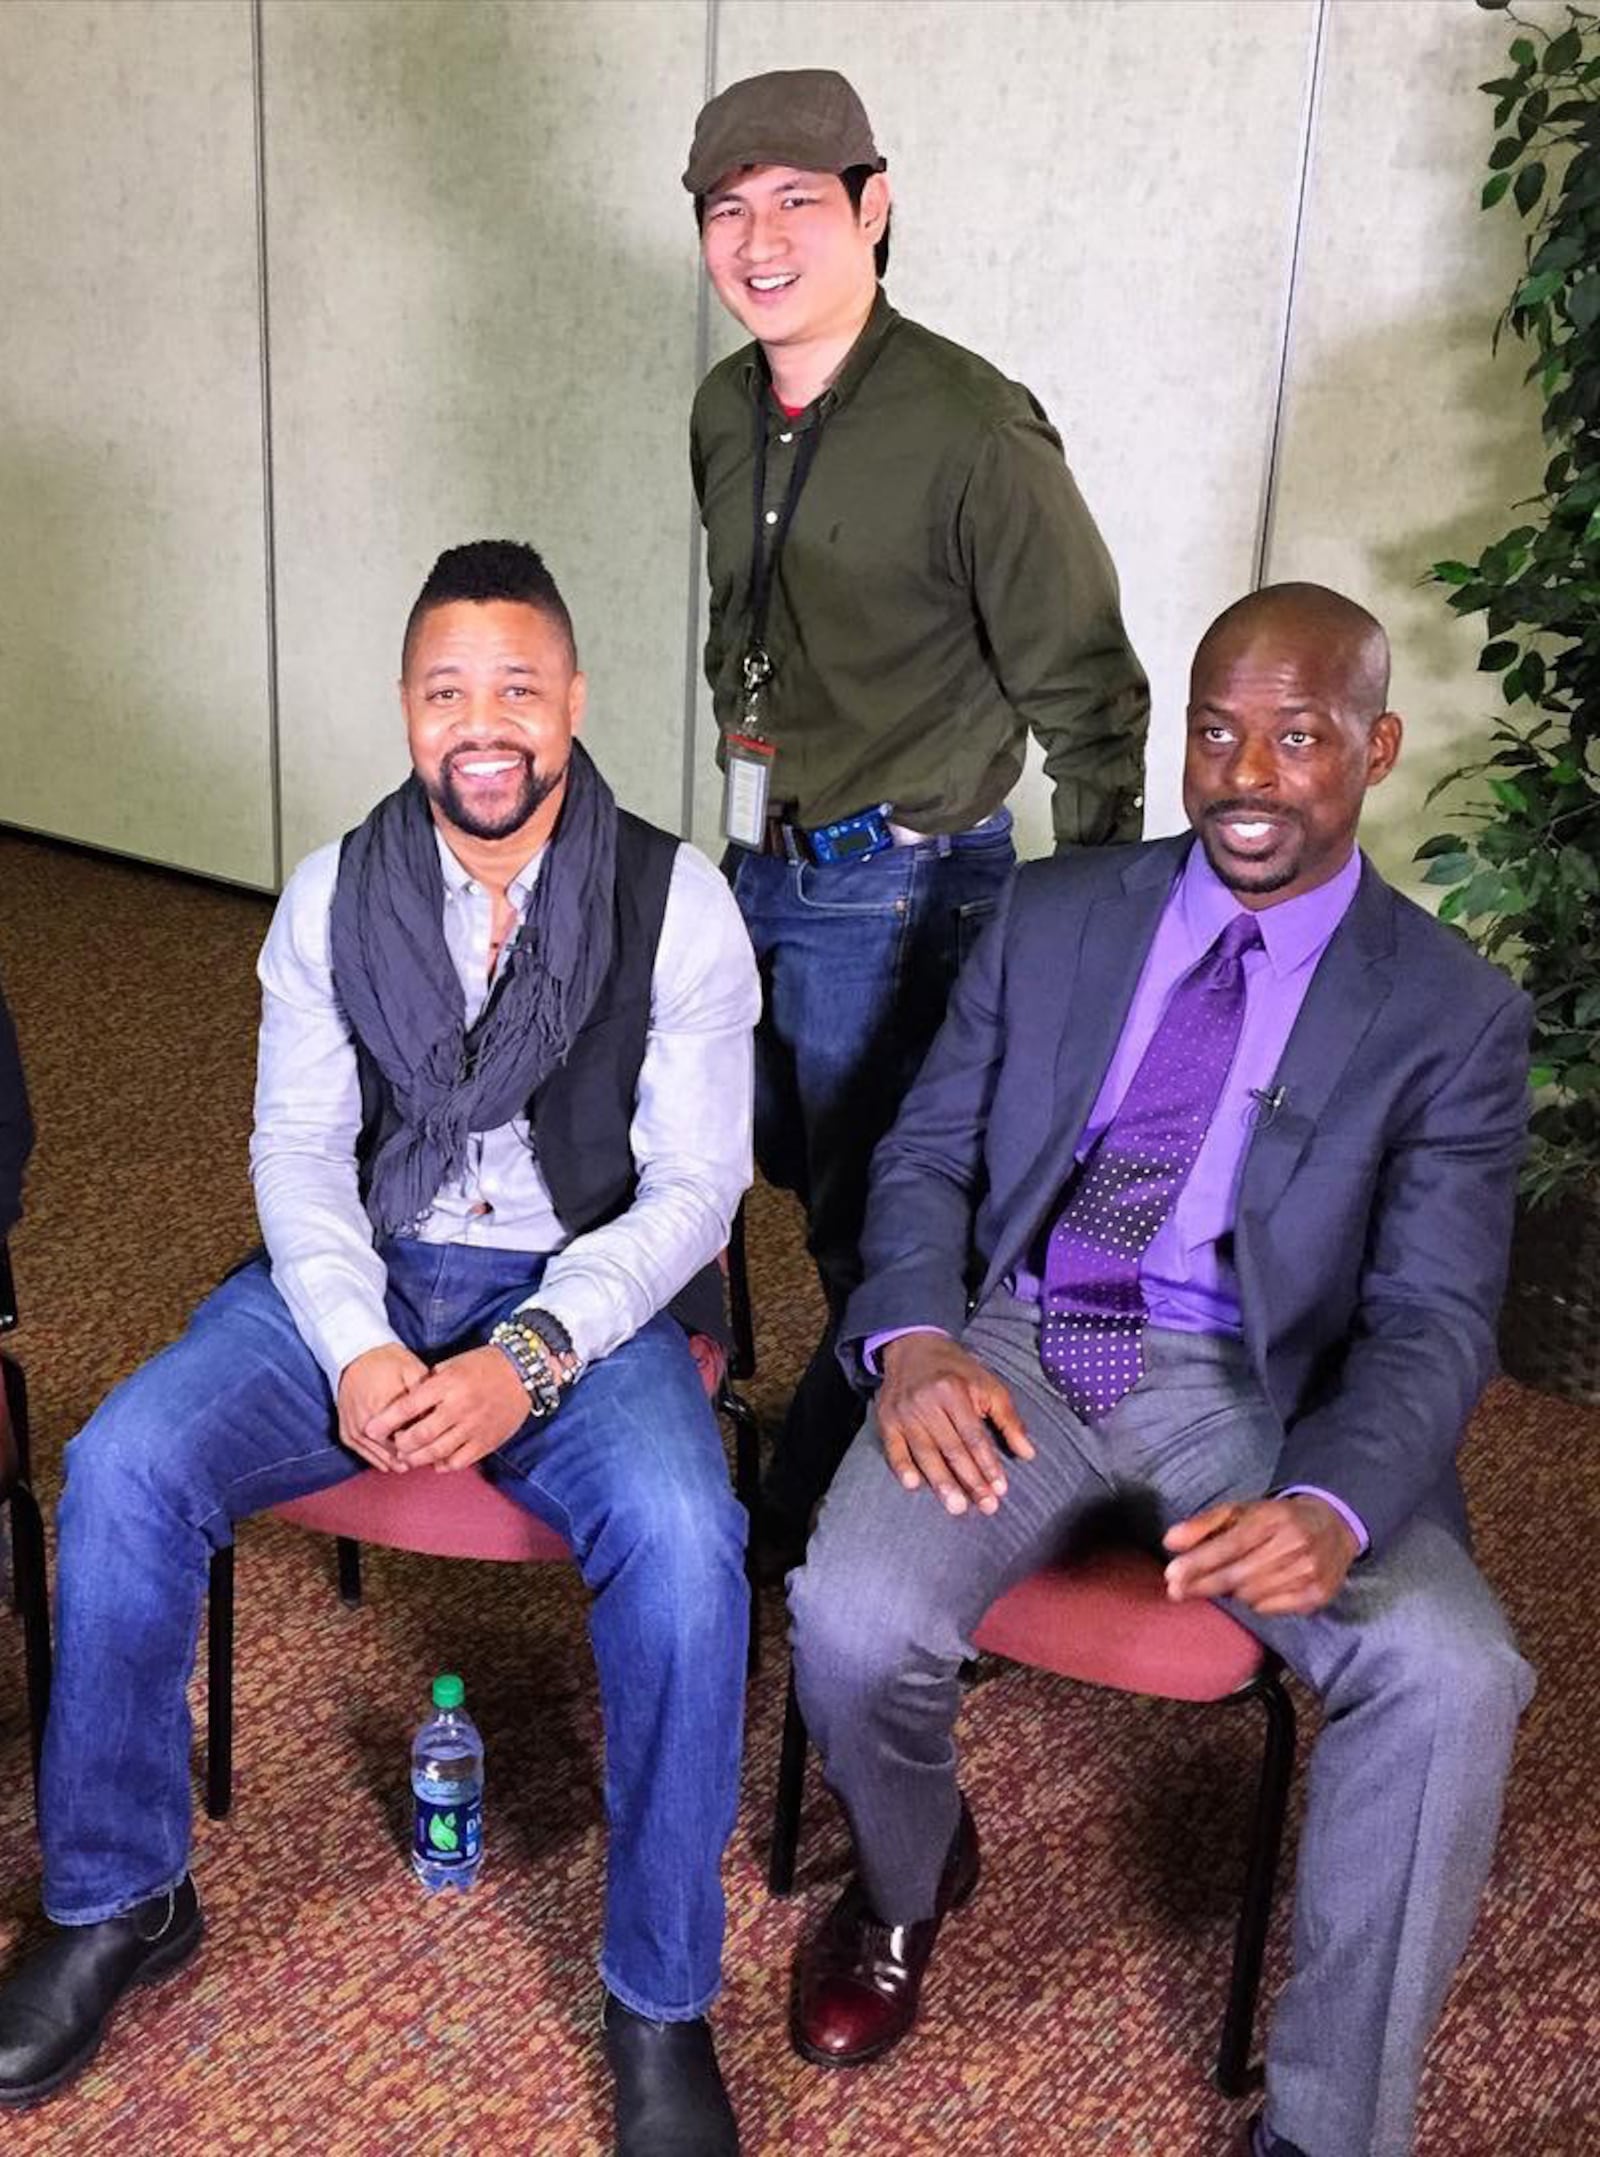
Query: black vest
x=581, y=1116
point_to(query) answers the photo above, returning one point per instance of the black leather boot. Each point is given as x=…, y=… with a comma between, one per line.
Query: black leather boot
x=669, y=2093
x=55, y=2008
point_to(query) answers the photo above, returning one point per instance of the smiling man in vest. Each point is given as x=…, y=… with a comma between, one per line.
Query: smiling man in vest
x=502, y=1125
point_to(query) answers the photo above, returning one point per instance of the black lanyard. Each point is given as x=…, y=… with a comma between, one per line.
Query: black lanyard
x=764, y=558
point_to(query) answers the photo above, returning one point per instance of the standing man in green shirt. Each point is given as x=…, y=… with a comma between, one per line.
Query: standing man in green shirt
x=904, y=581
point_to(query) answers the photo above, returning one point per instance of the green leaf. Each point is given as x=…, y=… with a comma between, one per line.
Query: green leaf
x=1533, y=675
x=1529, y=187
x=1450, y=906
x=1579, y=871
x=1591, y=531
x=1442, y=842
x=1505, y=152
x=1532, y=114
x=1562, y=52
x=1541, y=1075
x=1538, y=289
x=1562, y=252
x=1586, y=1011
x=1509, y=795
x=1513, y=686
x=1493, y=190
x=1456, y=572
x=1583, y=303
x=1449, y=868
x=1523, y=53
x=1495, y=656
x=1490, y=893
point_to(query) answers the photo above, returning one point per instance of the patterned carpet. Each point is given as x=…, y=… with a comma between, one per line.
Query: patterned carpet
x=1073, y=2007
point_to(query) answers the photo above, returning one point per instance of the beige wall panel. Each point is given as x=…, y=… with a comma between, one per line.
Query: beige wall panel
x=133, y=706
x=1099, y=196
x=1404, y=439
x=481, y=275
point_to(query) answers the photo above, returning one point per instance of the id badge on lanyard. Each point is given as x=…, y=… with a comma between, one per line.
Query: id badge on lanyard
x=746, y=788
x=748, y=755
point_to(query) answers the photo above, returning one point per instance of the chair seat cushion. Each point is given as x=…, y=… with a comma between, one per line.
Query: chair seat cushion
x=1105, y=1619
x=454, y=1515
x=447, y=1515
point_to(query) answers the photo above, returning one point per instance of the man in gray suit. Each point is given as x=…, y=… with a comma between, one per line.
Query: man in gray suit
x=1200, y=1204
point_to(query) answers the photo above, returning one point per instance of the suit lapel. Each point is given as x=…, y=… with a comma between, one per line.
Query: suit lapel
x=1348, y=991
x=1114, y=936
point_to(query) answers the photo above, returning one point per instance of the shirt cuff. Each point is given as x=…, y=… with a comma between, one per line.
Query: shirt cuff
x=876, y=1341
x=1347, y=1514
x=337, y=1328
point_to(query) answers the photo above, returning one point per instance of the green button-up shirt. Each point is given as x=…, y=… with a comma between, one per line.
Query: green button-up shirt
x=942, y=590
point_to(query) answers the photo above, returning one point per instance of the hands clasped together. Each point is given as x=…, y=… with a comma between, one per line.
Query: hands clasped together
x=398, y=1414
x=944, y=1417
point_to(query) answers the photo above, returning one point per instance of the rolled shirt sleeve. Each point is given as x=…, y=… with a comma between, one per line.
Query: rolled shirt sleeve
x=307, y=1124
x=1047, y=594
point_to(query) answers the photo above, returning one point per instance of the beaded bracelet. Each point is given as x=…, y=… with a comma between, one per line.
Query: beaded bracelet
x=545, y=1365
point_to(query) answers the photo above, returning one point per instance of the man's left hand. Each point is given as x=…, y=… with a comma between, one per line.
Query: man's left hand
x=1284, y=1557
x=466, y=1407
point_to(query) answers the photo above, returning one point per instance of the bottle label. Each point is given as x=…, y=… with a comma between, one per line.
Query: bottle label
x=449, y=1835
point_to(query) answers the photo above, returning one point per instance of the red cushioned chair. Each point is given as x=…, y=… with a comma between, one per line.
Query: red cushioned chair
x=1105, y=1619
x=462, y=1516
x=29, y=1583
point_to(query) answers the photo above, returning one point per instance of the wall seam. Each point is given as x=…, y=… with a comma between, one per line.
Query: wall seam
x=702, y=362
x=1269, y=484
x=268, y=506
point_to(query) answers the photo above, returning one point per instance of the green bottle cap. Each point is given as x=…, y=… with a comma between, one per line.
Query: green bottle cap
x=448, y=1691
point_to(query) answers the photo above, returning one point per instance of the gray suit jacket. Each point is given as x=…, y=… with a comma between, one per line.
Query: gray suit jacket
x=1375, y=1205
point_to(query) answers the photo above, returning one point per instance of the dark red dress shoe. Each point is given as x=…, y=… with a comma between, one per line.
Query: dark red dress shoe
x=858, y=1983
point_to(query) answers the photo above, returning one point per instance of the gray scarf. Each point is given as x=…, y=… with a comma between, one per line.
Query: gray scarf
x=400, y=991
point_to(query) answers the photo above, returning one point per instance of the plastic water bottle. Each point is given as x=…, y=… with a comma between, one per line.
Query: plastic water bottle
x=447, y=1783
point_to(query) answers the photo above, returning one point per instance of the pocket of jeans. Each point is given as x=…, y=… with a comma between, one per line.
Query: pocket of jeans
x=878, y=885
x=971, y=921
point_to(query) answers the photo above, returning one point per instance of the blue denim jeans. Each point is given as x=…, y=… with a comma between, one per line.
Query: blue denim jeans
x=237, y=1415
x=857, y=961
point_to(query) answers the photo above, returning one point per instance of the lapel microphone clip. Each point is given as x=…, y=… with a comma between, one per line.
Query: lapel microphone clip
x=1268, y=1101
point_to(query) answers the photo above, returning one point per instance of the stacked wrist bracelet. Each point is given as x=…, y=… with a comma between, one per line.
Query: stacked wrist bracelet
x=539, y=1349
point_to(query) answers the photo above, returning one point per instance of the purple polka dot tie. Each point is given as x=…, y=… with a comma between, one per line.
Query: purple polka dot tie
x=1092, y=1312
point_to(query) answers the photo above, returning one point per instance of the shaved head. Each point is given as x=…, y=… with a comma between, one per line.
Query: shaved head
x=1287, y=731
x=1310, y=618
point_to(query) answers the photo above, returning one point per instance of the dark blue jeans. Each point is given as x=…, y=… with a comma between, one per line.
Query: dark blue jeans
x=237, y=1415
x=857, y=960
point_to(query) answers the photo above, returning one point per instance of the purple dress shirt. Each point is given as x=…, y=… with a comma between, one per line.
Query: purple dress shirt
x=1186, y=1273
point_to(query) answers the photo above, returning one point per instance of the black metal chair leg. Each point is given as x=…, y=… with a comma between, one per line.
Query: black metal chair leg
x=349, y=1561
x=791, y=1796
x=746, y=1488
x=31, y=1583
x=1234, y=2073
x=219, y=1667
